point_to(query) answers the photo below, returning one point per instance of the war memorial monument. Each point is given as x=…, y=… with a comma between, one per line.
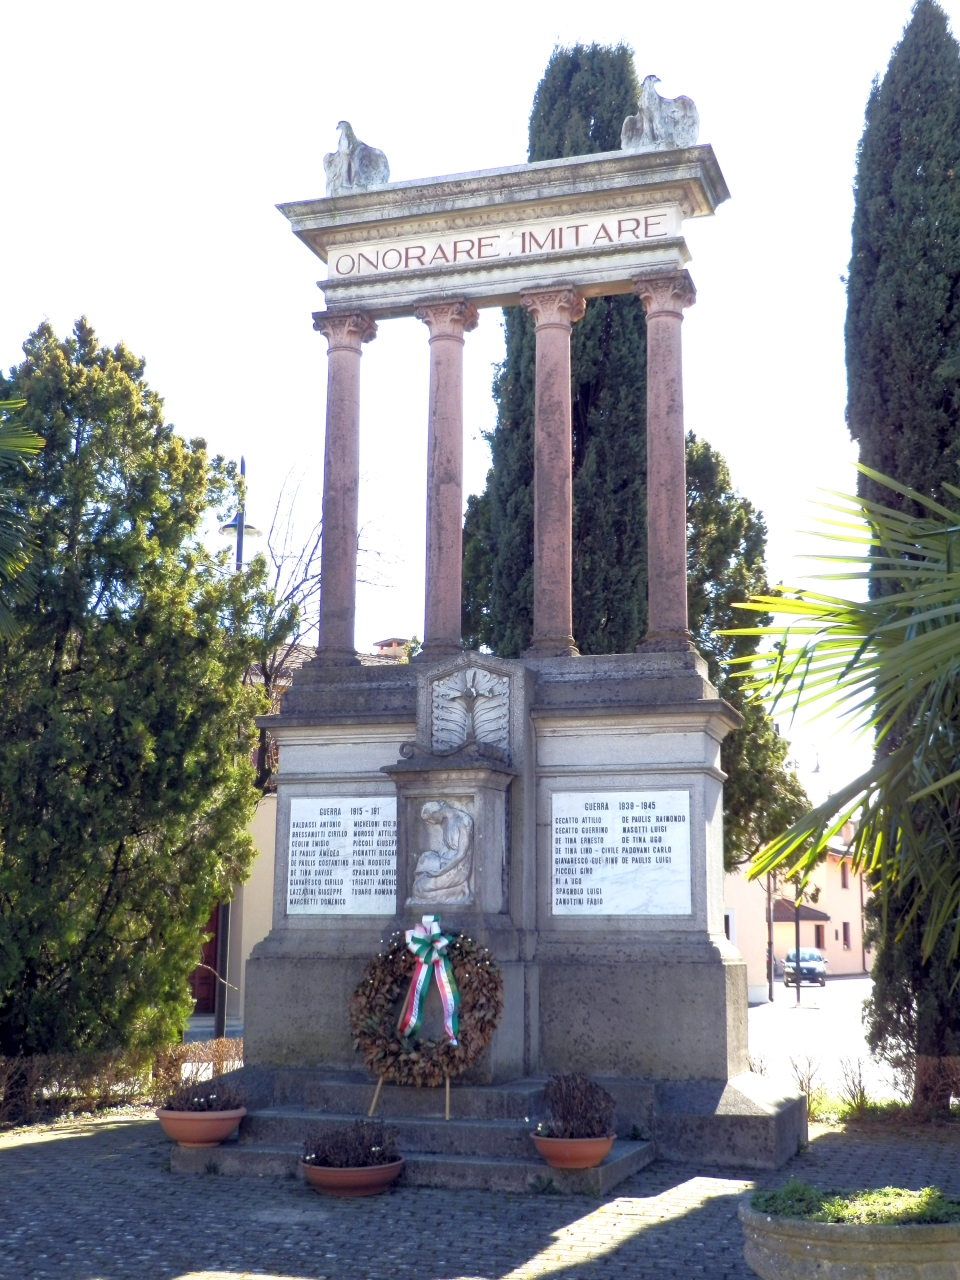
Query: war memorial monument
x=563, y=811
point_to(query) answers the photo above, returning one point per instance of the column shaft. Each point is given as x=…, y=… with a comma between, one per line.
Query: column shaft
x=447, y=322
x=341, y=483
x=555, y=311
x=664, y=299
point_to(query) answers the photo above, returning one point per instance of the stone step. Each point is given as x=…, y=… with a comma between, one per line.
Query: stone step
x=476, y=1172
x=486, y=1174
x=351, y=1093
x=281, y=1126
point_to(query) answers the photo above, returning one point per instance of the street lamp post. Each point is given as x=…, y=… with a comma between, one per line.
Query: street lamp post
x=235, y=528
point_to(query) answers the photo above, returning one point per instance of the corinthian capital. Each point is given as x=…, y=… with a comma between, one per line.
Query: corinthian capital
x=448, y=319
x=345, y=330
x=667, y=293
x=555, y=308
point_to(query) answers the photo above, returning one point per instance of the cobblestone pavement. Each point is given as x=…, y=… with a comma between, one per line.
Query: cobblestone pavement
x=95, y=1200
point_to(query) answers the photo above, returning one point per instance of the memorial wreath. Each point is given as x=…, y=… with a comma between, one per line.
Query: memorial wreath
x=471, y=989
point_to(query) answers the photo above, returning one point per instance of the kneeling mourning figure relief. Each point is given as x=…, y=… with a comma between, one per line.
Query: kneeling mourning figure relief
x=443, y=872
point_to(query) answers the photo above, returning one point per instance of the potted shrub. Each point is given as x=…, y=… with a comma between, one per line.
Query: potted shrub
x=800, y=1231
x=202, y=1114
x=577, y=1132
x=358, y=1159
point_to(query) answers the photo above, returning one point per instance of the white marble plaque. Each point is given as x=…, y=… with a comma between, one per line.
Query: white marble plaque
x=343, y=856
x=621, y=853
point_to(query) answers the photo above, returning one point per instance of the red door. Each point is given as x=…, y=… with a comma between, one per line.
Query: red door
x=203, y=982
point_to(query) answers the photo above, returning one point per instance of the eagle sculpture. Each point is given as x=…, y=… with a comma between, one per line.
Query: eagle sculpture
x=354, y=166
x=661, y=124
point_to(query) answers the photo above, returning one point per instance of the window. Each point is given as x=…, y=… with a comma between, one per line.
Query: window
x=818, y=936
x=844, y=875
x=836, y=935
x=846, y=936
x=730, y=925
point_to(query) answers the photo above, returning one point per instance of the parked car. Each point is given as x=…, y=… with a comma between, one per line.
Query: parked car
x=813, y=967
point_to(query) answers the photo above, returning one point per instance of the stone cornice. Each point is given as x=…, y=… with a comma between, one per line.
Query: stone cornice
x=690, y=178
x=593, y=223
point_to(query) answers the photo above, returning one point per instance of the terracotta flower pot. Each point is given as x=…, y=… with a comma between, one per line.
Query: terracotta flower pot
x=368, y=1180
x=573, y=1153
x=200, y=1128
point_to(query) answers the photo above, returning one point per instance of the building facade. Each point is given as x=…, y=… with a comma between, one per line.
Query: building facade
x=830, y=920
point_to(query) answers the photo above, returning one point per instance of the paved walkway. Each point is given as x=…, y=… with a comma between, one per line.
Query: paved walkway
x=96, y=1201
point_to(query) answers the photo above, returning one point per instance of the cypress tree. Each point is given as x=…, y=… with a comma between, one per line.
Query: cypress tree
x=579, y=108
x=903, y=291
x=903, y=398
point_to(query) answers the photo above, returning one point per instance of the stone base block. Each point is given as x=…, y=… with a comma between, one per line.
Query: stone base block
x=649, y=1018
x=296, y=1010
x=297, y=1014
x=747, y=1121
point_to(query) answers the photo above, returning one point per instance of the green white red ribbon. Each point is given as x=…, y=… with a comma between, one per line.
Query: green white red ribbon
x=429, y=945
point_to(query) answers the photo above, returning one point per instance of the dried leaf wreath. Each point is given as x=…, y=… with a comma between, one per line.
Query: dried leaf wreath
x=374, y=1006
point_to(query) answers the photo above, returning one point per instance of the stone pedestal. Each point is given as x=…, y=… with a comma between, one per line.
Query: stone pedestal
x=476, y=752
x=644, y=993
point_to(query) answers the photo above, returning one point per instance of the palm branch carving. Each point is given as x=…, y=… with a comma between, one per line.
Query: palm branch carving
x=472, y=705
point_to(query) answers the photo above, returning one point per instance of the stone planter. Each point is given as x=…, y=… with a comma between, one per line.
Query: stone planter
x=366, y=1181
x=200, y=1128
x=573, y=1153
x=779, y=1248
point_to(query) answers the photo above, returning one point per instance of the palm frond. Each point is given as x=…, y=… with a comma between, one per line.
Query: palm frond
x=17, y=443
x=889, y=665
x=16, y=440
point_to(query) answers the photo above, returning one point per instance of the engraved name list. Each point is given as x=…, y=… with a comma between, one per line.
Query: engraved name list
x=343, y=856
x=621, y=853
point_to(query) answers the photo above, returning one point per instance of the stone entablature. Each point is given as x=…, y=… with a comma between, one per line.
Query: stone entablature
x=503, y=208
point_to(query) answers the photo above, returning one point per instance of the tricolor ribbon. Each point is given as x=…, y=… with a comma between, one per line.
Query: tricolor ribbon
x=429, y=945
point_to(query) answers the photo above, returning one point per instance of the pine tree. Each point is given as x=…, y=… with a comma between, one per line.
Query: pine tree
x=903, y=291
x=579, y=108
x=125, y=786
x=726, y=545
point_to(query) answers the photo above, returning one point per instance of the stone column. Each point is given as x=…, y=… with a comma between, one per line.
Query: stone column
x=663, y=299
x=341, y=482
x=555, y=311
x=447, y=322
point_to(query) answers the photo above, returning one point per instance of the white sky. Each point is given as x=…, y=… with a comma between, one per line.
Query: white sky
x=146, y=146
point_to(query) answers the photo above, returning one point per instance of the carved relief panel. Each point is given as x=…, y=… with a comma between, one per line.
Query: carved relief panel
x=443, y=874
x=470, y=705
